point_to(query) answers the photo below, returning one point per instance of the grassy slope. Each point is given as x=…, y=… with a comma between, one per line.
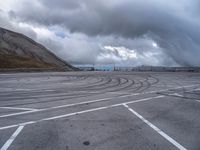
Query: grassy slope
x=13, y=61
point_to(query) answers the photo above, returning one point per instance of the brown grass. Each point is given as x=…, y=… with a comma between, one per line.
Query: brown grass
x=13, y=61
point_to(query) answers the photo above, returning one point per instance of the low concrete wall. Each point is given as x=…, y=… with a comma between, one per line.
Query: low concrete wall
x=32, y=70
x=159, y=69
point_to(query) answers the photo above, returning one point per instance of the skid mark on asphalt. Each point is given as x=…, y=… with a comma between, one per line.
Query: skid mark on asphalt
x=89, y=102
x=80, y=112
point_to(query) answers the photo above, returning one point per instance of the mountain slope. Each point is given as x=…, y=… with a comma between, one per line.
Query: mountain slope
x=19, y=51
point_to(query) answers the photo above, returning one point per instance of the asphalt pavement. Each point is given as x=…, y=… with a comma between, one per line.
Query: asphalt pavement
x=100, y=111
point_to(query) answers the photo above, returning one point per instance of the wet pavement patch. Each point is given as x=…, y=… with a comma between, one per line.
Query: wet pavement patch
x=67, y=148
x=86, y=143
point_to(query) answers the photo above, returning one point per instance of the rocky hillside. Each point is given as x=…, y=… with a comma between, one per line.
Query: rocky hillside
x=19, y=51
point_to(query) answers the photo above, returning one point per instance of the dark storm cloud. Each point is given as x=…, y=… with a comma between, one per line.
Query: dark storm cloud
x=92, y=17
x=5, y=22
x=61, y=4
x=173, y=25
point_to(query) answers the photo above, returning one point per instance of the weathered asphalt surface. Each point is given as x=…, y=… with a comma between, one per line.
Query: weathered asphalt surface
x=100, y=111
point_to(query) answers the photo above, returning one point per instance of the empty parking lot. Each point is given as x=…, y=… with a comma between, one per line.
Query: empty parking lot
x=99, y=111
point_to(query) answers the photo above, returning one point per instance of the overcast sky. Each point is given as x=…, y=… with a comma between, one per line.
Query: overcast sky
x=124, y=32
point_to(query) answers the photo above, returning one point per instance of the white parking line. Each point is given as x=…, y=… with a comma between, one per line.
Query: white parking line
x=89, y=102
x=12, y=138
x=167, y=137
x=176, y=94
x=16, y=125
x=69, y=105
x=80, y=112
x=193, y=90
x=100, y=108
x=182, y=96
x=18, y=108
x=19, y=113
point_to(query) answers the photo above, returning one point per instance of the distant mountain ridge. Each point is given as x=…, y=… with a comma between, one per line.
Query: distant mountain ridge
x=20, y=51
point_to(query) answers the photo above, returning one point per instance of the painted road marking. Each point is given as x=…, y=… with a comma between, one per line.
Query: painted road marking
x=176, y=94
x=89, y=102
x=18, y=108
x=182, y=96
x=12, y=138
x=193, y=90
x=167, y=137
x=80, y=112
x=69, y=105
x=19, y=113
